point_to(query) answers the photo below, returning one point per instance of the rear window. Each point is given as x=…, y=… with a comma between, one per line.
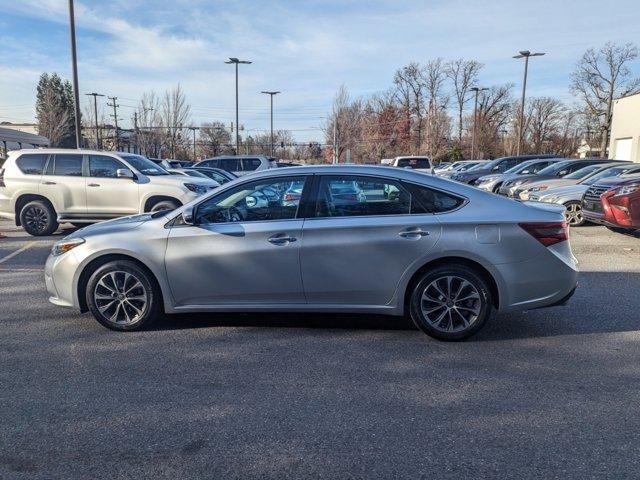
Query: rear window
x=32, y=164
x=250, y=164
x=414, y=163
x=230, y=164
x=434, y=201
x=214, y=163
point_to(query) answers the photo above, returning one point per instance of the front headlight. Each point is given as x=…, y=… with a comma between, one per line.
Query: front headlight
x=199, y=189
x=627, y=189
x=550, y=198
x=63, y=246
x=516, y=183
x=538, y=188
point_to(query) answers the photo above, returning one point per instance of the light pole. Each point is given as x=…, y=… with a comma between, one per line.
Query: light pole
x=193, y=129
x=475, y=119
x=74, y=68
x=271, y=94
x=524, y=54
x=95, y=112
x=237, y=62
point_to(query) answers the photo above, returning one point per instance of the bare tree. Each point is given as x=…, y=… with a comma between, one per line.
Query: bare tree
x=343, y=128
x=215, y=139
x=410, y=82
x=544, y=117
x=602, y=75
x=436, y=98
x=494, y=114
x=175, y=115
x=150, y=135
x=463, y=75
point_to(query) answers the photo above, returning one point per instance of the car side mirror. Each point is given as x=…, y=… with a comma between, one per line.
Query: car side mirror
x=187, y=216
x=525, y=172
x=124, y=173
x=496, y=168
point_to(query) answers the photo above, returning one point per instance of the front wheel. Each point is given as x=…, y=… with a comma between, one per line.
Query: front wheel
x=38, y=218
x=123, y=296
x=573, y=214
x=451, y=302
x=164, y=205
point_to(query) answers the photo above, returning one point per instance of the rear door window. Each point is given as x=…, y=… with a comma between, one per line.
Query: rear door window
x=32, y=164
x=230, y=164
x=250, y=164
x=214, y=163
x=67, y=165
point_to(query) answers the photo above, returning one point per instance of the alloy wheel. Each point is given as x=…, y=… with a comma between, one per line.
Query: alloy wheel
x=573, y=214
x=451, y=304
x=120, y=297
x=36, y=218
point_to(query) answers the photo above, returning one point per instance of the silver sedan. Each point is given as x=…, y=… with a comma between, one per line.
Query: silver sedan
x=447, y=254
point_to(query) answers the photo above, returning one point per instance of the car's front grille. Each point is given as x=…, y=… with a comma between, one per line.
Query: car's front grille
x=594, y=192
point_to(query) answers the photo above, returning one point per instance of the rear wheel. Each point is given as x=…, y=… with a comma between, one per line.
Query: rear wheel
x=573, y=214
x=123, y=296
x=496, y=189
x=451, y=302
x=38, y=218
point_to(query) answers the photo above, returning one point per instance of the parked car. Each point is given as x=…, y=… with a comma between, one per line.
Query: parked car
x=41, y=188
x=415, y=162
x=217, y=174
x=442, y=167
x=169, y=163
x=188, y=172
x=492, y=183
x=571, y=195
x=567, y=172
x=240, y=165
x=614, y=202
x=499, y=165
x=444, y=253
x=461, y=166
x=288, y=164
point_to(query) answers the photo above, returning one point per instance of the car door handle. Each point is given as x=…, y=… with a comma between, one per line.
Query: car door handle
x=413, y=233
x=282, y=240
x=48, y=183
x=93, y=185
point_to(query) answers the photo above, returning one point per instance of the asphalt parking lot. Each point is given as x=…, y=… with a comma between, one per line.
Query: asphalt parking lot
x=545, y=394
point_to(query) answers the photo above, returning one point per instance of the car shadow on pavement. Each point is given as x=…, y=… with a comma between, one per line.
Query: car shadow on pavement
x=603, y=303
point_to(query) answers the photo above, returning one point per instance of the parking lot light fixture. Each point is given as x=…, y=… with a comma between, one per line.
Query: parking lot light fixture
x=271, y=94
x=236, y=62
x=524, y=54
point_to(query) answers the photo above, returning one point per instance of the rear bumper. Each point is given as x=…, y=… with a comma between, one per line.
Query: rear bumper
x=544, y=281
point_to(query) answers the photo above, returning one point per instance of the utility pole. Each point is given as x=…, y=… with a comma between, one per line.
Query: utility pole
x=193, y=129
x=271, y=94
x=336, y=157
x=475, y=119
x=74, y=68
x=95, y=112
x=236, y=62
x=115, y=119
x=524, y=54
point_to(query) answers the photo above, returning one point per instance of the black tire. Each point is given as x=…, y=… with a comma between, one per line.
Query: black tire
x=496, y=189
x=474, y=308
x=164, y=205
x=38, y=218
x=125, y=312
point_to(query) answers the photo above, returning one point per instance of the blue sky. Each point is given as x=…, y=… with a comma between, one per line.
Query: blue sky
x=306, y=49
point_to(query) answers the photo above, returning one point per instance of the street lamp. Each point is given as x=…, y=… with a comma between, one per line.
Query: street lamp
x=237, y=62
x=271, y=94
x=475, y=118
x=524, y=54
x=74, y=69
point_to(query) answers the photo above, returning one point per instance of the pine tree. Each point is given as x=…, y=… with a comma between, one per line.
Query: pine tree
x=54, y=110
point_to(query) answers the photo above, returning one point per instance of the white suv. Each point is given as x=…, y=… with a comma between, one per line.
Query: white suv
x=41, y=188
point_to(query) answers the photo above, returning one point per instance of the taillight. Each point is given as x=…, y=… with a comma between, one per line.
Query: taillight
x=2, y=178
x=291, y=197
x=547, y=233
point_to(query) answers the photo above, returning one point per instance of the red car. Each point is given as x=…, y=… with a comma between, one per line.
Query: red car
x=614, y=203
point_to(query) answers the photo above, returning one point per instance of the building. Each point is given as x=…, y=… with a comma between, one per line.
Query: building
x=624, y=140
x=15, y=136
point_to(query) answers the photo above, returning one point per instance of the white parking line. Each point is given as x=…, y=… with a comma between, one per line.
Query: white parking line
x=17, y=252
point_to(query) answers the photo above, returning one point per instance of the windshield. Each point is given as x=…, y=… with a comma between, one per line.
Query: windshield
x=583, y=172
x=521, y=167
x=609, y=172
x=143, y=165
x=556, y=167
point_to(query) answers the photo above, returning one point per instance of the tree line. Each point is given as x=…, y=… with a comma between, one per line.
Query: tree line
x=429, y=110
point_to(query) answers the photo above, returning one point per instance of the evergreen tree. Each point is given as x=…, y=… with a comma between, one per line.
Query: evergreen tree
x=54, y=110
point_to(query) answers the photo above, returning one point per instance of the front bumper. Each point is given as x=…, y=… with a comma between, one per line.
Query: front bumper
x=59, y=279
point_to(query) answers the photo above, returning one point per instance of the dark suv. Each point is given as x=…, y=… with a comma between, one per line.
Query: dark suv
x=499, y=165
